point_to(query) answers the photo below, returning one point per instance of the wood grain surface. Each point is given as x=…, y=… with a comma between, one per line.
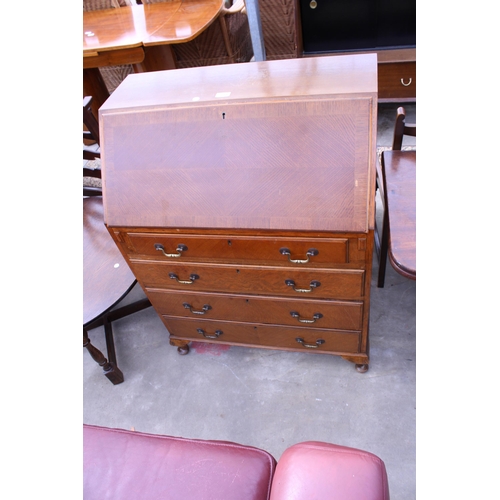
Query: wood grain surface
x=257, y=335
x=145, y=25
x=259, y=309
x=107, y=277
x=249, y=159
x=400, y=175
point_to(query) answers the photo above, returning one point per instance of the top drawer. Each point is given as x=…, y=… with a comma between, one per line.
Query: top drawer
x=261, y=250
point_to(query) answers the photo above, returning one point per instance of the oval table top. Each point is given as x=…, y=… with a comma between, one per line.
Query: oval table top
x=400, y=175
x=107, y=277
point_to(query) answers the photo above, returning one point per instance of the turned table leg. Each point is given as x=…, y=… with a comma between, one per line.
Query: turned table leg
x=112, y=372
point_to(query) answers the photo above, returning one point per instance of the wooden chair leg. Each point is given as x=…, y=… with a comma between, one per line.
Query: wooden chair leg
x=112, y=372
x=93, y=85
x=225, y=36
x=384, y=245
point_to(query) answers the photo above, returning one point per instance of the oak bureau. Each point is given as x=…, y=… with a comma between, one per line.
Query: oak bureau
x=242, y=197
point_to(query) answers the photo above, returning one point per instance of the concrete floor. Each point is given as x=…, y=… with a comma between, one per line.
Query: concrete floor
x=268, y=398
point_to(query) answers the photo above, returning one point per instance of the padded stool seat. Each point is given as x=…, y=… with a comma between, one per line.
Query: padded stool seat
x=323, y=471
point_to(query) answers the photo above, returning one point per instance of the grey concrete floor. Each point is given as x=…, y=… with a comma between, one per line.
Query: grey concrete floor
x=268, y=398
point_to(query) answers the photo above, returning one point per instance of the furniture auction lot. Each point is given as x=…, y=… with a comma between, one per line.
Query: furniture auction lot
x=289, y=389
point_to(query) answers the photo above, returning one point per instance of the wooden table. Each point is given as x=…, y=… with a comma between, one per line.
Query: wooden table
x=140, y=35
x=107, y=279
x=400, y=178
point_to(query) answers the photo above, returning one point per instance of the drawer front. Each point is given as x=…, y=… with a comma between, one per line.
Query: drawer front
x=225, y=332
x=323, y=252
x=303, y=283
x=269, y=310
x=397, y=80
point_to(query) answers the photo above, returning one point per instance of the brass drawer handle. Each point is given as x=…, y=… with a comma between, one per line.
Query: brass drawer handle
x=310, y=346
x=217, y=334
x=406, y=84
x=314, y=284
x=315, y=317
x=203, y=310
x=310, y=253
x=180, y=248
x=191, y=280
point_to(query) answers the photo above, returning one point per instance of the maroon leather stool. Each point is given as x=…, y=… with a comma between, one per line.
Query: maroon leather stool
x=122, y=465
x=125, y=465
x=322, y=471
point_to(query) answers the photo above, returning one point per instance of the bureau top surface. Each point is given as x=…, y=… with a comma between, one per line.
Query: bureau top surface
x=281, y=145
x=306, y=76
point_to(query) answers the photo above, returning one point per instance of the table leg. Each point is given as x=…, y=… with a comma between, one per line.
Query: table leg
x=157, y=58
x=93, y=85
x=111, y=371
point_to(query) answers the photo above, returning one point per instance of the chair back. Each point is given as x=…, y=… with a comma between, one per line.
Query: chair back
x=401, y=128
x=89, y=5
x=92, y=155
x=92, y=132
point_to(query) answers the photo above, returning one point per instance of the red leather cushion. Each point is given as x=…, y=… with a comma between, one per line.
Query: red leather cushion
x=321, y=471
x=123, y=465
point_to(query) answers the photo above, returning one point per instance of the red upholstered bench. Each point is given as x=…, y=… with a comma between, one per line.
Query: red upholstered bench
x=122, y=465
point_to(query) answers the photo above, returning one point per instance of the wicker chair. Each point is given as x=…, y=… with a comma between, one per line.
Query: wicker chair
x=281, y=28
x=227, y=40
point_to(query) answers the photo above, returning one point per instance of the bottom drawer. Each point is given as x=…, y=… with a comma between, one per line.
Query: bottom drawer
x=257, y=335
